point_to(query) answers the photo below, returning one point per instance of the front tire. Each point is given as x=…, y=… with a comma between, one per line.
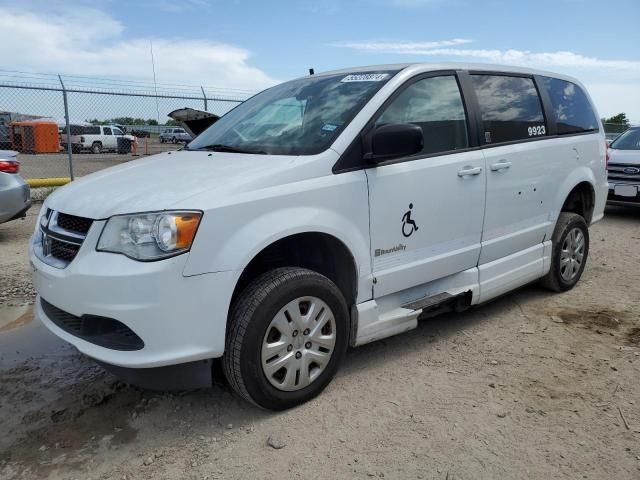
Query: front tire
x=287, y=337
x=570, y=248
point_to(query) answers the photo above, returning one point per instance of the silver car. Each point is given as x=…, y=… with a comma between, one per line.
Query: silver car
x=175, y=135
x=624, y=169
x=15, y=196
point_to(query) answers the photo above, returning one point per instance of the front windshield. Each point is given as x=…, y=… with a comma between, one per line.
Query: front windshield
x=301, y=117
x=629, y=140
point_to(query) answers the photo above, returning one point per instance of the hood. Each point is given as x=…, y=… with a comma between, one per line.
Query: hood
x=160, y=181
x=624, y=156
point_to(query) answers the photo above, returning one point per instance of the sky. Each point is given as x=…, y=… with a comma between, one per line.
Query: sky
x=252, y=44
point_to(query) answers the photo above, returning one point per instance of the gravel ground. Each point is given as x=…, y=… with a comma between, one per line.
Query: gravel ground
x=532, y=385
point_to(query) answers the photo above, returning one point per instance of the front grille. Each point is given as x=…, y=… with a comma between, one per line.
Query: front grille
x=61, y=237
x=62, y=250
x=617, y=173
x=102, y=331
x=74, y=224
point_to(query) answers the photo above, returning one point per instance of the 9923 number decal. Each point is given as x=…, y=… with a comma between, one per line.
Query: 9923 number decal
x=537, y=131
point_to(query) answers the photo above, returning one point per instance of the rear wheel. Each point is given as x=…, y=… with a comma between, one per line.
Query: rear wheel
x=174, y=140
x=570, y=248
x=287, y=336
x=96, y=147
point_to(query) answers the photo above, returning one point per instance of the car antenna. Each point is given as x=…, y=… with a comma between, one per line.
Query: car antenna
x=311, y=71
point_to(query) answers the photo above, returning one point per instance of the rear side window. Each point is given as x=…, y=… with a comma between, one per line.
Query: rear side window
x=435, y=104
x=510, y=108
x=571, y=108
x=92, y=130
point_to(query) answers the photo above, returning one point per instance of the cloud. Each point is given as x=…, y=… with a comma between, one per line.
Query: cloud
x=511, y=56
x=400, y=47
x=87, y=41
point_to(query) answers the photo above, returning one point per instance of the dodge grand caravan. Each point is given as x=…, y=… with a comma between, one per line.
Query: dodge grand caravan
x=326, y=212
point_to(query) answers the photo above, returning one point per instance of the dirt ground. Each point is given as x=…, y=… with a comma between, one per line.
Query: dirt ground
x=533, y=385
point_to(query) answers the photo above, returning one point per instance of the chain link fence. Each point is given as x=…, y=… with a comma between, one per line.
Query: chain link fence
x=37, y=111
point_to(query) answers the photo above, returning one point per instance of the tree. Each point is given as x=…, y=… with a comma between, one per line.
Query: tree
x=620, y=119
x=151, y=121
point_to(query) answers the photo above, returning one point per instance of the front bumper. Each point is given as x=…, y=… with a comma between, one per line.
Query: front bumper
x=180, y=319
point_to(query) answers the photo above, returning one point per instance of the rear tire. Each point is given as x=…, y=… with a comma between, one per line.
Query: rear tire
x=570, y=249
x=265, y=334
x=96, y=148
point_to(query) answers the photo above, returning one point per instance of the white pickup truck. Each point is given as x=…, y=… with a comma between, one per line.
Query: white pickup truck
x=95, y=138
x=325, y=212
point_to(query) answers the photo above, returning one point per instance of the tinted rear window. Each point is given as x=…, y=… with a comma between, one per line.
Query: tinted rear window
x=571, y=108
x=510, y=107
x=92, y=130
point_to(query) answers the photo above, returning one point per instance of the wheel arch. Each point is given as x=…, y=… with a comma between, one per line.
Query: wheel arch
x=315, y=250
x=581, y=200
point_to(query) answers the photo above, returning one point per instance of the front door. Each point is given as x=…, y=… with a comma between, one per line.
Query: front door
x=426, y=211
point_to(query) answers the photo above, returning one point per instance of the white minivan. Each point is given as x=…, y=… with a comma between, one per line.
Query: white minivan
x=326, y=212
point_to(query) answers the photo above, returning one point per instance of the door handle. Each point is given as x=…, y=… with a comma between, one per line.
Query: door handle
x=469, y=170
x=501, y=165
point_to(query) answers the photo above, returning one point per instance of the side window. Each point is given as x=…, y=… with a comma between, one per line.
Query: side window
x=106, y=131
x=435, y=104
x=571, y=108
x=510, y=108
x=117, y=131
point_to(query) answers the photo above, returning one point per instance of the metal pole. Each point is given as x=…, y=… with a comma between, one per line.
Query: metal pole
x=204, y=95
x=67, y=121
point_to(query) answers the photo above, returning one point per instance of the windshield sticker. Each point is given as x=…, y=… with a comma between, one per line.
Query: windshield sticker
x=365, y=77
x=329, y=127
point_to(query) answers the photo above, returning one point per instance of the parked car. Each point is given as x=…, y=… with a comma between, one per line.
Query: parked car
x=175, y=135
x=624, y=169
x=95, y=138
x=329, y=211
x=15, y=196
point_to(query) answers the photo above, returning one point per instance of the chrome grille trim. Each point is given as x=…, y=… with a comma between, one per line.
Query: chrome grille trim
x=54, y=245
x=617, y=174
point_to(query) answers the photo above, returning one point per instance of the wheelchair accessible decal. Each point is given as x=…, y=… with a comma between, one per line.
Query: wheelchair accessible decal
x=408, y=225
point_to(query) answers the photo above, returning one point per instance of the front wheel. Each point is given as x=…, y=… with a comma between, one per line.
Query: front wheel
x=287, y=336
x=570, y=248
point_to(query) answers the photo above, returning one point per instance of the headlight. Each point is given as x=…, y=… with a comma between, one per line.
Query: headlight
x=150, y=236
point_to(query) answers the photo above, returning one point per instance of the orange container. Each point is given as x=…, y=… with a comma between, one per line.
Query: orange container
x=35, y=137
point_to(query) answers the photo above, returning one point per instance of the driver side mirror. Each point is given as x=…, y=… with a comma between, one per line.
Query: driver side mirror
x=395, y=140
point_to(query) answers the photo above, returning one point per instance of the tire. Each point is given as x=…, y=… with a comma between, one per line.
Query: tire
x=251, y=324
x=96, y=148
x=560, y=278
x=174, y=140
x=161, y=140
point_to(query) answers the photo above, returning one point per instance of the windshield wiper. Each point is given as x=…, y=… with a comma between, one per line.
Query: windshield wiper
x=219, y=147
